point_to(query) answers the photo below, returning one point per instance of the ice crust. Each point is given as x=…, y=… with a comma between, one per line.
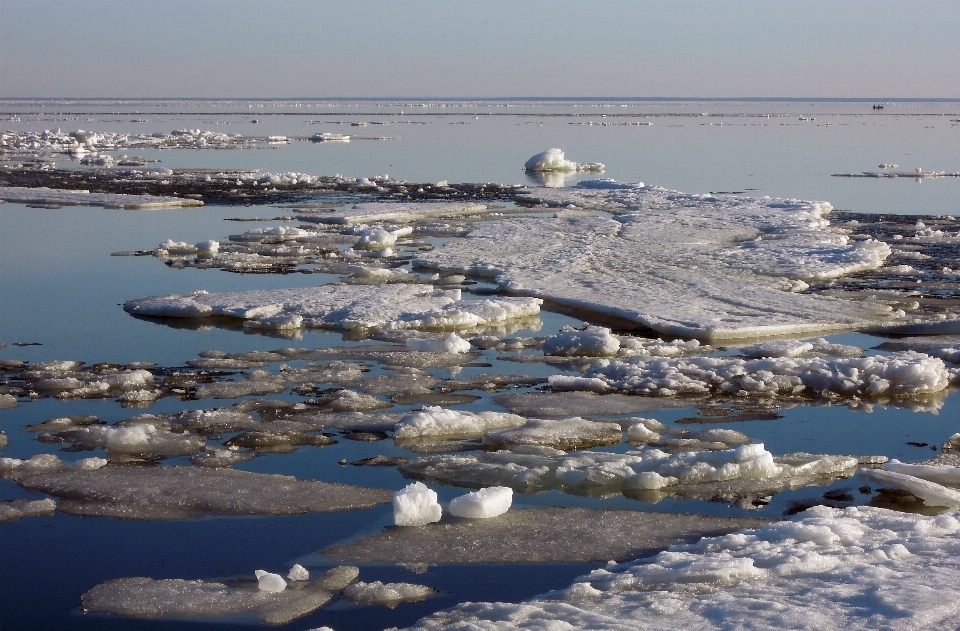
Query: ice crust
x=900, y=374
x=492, y=501
x=858, y=568
x=387, y=594
x=415, y=505
x=342, y=307
x=700, y=266
x=563, y=434
x=452, y=343
x=42, y=195
x=435, y=422
x=552, y=160
x=594, y=341
x=369, y=212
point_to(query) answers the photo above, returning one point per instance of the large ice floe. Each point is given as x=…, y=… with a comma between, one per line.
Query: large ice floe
x=858, y=568
x=342, y=307
x=701, y=266
x=58, y=197
x=367, y=212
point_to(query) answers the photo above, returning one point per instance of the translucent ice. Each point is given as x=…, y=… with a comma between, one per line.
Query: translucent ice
x=268, y=582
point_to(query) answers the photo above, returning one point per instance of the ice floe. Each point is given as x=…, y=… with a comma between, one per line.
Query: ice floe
x=86, y=198
x=386, y=594
x=554, y=160
x=492, y=501
x=701, y=266
x=437, y=423
x=369, y=212
x=594, y=341
x=343, y=307
x=566, y=434
x=857, y=568
x=18, y=509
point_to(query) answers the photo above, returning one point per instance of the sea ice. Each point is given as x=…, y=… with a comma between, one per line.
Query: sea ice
x=86, y=198
x=566, y=434
x=452, y=343
x=369, y=212
x=483, y=504
x=435, y=422
x=268, y=582
x=415, y=505
x=932, y=493
x=553, y=160
x=344, y=307
x=18, y=509
x=298, y=573
x=594, y=341
x=386, y=594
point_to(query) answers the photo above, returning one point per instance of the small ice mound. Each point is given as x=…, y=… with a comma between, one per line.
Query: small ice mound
x=18, y=509
x=91, y=464
x=452, y=343
x=641, y=433
x=594, y=341
x=553, y=160
x=437, y=422
x=567, y=435
x=268, y=582
x=483, y=504
x=416, y=505
x=39, y=463
x=377, y=237
x=386, y=594
x=298, y=573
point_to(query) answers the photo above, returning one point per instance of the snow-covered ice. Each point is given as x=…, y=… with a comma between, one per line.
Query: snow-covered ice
x=386, y=594
x=86, y=198
x=483, y=504
x=369, y=212
x=554, y=160
x=415, y=505
x=269, y=582
x=594, y=341
x=452, y=343
x=436, y=422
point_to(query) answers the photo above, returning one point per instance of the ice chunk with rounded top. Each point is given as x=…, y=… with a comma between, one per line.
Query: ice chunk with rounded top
x=554, y=160
x=437, y=422
x=269, y=582
x=593, y=341
x=483, y=504
x=452, y=343
x=298, y=573
x=416, y=505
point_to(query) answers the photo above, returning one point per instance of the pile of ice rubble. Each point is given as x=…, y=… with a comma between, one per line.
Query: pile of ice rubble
x=270, y=597
x=417, y=505
x=855, y=568
x=79, y=143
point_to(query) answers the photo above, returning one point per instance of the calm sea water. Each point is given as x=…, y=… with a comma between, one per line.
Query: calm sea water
x=61, y=289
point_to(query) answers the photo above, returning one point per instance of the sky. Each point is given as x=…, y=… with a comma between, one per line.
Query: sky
x=459, y=49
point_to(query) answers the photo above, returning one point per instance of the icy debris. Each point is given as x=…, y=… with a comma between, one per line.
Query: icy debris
x=452, y=343
x=553, y=160
x=18, y=509
x=554, y=404
x=369, y=212
x=538, y=535
x=593, y=341
x=237, y=389
x=213, y=421
x=640, y=346
x=796, y=348
x=221, y=458
x=139, y=597
x=329, y=137
x=39, y=463
x=183, y=492
x=276, y=440
x=483, y=504
x=377, y=237
x=901, y=374
x=566, y=434
x=8, y=402
x=642, y=433
x=344, y=307
x=137, y=440
x=350, y=401
x=415, y=505
x=181, y=248
x=939, y=474
x=435, y=422
x=697, y=266
x=91, y=464
x=931, y=493
x=298, y=573
x=42, y=195
x=268, y=582
x=387, y=594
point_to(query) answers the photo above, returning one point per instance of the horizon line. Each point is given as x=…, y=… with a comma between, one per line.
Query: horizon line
x=854, y=99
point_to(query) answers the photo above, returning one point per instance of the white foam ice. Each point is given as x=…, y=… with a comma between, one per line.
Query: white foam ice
x=436, y=422
x=415, y=505
x=900, y=374
x=60, y=197
x=593, y=341
x=343, y=307
x=700, y=266
x=858, y=568
x=377, y=237
x=483, y=504
x=554, y=160
x=452, y=343
x=800, y=348
x=369, y=212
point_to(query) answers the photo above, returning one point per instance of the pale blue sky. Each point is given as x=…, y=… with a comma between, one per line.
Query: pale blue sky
x=296, y=48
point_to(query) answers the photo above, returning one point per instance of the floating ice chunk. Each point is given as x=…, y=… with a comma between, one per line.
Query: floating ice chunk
x=377, y=237
x=941, y=474
x=436, y=422
x=553, y=160
x=567, y=434
x=298, y=573
x=483, y=504
x=452, y=343
x=268, y=582
x=329, y=137
x=91, y=464
x=415, y=505
x=8, y=402
x=594, y=341
x=369, y=212
x=139, y=440
x=931, y=493
x=641, y=433
x=386, y=594
x=42, y=195
x=39, y=463
x=18, y=509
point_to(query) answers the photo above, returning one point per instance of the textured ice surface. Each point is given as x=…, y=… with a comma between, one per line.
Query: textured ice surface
x=553, y=160
x=86, y=198
x=700, y=266
x=554, y=404
x=182, y=492
x=298, y=573
x=857, y=568
x=932, y=493
x=538, y=535
x=369, y=212
x=269, y=582
x=483, y=504
x=436, y=422
x=387, y=594
x=452, y=343
x=594, y=341
x=415, y=505
x=565, y=434
x=140, y=597
x=901, y=374
x=144, y=440
x=18, y=509
x=342, y=307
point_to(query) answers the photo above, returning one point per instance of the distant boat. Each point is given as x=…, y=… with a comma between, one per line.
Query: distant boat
x=878, y=107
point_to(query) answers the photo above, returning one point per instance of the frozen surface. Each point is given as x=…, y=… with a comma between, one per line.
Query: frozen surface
x=342, y=307
x=182, y=492
x=369, y=212
x=452, y=343
x=554, y=404
x=436, y=422
x=86, y=198
x=554, y=160
x=857, y=568
x=386, y=594
x=139, y=597
x=538, y=535
x=415, y=505
x=18, y=509
x=594, y=341
x=701, y=266
x=492, y=501
x=564, y=434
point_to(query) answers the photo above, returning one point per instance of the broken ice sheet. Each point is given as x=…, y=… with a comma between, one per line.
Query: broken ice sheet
x=158, y=492
x=139, y=597
x=537, y=535
x=86, y=198
x=368, y=212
